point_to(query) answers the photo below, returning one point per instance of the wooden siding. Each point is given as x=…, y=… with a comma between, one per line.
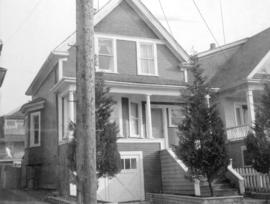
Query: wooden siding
x=124, y=15
x=173, y=177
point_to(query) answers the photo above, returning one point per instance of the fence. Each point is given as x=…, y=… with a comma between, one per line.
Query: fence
x=254, y=181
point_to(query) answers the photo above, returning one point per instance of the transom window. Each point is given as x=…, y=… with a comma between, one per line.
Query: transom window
x=106, y=55
x=35, y=129
x=241, y=114
x=147, y=59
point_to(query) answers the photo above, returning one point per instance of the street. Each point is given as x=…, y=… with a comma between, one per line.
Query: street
x=18, y=197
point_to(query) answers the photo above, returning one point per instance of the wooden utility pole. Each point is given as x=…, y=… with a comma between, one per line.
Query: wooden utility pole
x=85, y=120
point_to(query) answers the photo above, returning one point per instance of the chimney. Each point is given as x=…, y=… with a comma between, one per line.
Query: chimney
x=212, y=46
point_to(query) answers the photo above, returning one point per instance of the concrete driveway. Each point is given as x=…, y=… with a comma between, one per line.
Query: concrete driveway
x=18, y=197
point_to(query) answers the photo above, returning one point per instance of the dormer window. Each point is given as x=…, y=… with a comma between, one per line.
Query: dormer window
x=147, y=63
x=106, y=55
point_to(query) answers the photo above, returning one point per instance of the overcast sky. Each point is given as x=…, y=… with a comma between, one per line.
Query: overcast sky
x=30, y=29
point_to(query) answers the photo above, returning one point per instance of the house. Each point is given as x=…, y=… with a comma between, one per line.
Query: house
x=12, y=137
x=238, y=71
x=146, y=71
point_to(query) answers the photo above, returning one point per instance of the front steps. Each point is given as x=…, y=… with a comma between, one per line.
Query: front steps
x=221, y=187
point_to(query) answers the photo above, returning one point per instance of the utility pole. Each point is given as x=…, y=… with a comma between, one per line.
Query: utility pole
x=85, y=117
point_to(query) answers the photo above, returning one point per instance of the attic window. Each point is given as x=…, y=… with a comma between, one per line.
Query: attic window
x=147, y=63
x=106, y=55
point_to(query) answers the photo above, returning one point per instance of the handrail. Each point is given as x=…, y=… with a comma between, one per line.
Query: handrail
x=234, y=176
x=235, y=127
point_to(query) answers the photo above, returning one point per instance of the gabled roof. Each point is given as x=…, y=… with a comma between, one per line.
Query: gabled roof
x=140, y=9
x=243, y=61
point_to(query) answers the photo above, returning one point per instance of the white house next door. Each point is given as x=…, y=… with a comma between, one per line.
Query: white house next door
x=128, y=185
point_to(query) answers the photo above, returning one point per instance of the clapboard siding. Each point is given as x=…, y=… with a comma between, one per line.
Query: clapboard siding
x=174, y=180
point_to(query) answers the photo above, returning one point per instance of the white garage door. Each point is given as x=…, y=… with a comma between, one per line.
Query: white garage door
x=128, y=184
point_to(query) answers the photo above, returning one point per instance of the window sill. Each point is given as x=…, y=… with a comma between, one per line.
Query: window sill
x=36, y=145
x=107, y=71
x=64, y=141
x=142, y=74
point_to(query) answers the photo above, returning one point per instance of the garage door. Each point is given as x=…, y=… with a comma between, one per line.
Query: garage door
x=128, y=184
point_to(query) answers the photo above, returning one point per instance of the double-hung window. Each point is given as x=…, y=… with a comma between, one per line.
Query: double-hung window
x=35, y=129
x=241, y=114
x=106, y=55
x=134, y=120
x=147, y=64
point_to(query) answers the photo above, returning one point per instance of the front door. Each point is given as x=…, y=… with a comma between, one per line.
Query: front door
x=157, y=123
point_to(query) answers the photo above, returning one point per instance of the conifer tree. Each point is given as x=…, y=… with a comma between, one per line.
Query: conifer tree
x=108, y=157
x=201, y=134
x=258, y=140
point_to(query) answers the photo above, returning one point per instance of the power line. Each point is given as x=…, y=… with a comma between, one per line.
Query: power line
x=222, y=21
x=24, y=20
x=206, y=24
x=166, y=19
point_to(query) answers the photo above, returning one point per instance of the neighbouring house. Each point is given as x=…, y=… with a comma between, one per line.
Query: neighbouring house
x=12, y=137
x=146, y=71
x=238, y=71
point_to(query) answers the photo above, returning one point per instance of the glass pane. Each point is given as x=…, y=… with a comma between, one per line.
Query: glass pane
x=134, y=110
x=36, y=122
x=133, y=163
x=176, y=116
x=134, y=126
x=105, y=47
x=127, y=163
x=105, y=62
x=147, y=51
x=122, y=164
x=238, y=116
x=245, y=114
x=36, y=136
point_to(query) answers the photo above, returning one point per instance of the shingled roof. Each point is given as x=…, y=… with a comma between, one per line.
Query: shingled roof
x=243, y=61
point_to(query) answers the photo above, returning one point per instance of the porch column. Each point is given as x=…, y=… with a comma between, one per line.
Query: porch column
x=148, y=117
x=71, y=106
x=250, y=104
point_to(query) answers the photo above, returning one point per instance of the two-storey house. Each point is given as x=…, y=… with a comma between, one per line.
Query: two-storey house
x=238, y=71
x=142, y=64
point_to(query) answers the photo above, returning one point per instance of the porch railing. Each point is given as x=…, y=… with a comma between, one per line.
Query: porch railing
x=253, y=180
x=237, y=133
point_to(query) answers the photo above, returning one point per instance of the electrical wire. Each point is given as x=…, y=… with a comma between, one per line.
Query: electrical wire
x=206, y=24
x=166, y=19
x=24, y=20
x=222, y=21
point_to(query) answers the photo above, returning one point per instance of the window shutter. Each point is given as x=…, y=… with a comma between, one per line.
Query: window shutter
x=125, y=117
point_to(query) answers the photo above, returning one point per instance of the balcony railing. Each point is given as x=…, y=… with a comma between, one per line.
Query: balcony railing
x=237, y=133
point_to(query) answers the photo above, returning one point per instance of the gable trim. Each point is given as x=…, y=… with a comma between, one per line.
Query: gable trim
x=150, y=20
x=259, y=65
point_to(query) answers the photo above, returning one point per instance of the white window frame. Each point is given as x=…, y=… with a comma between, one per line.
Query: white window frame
x=32, y=115
x=139, y=119
x=170, y=116
x=139, y=69
x=114, y=54
x=239, y=105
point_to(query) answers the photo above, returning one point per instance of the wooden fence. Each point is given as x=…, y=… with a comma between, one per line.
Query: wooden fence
x=254, y=181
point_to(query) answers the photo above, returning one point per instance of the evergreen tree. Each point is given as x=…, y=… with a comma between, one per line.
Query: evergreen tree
x=108, y=157
x=201, y=134
x=258, y=140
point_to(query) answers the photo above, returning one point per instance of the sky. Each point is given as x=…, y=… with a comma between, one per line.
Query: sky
x=30, y=29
